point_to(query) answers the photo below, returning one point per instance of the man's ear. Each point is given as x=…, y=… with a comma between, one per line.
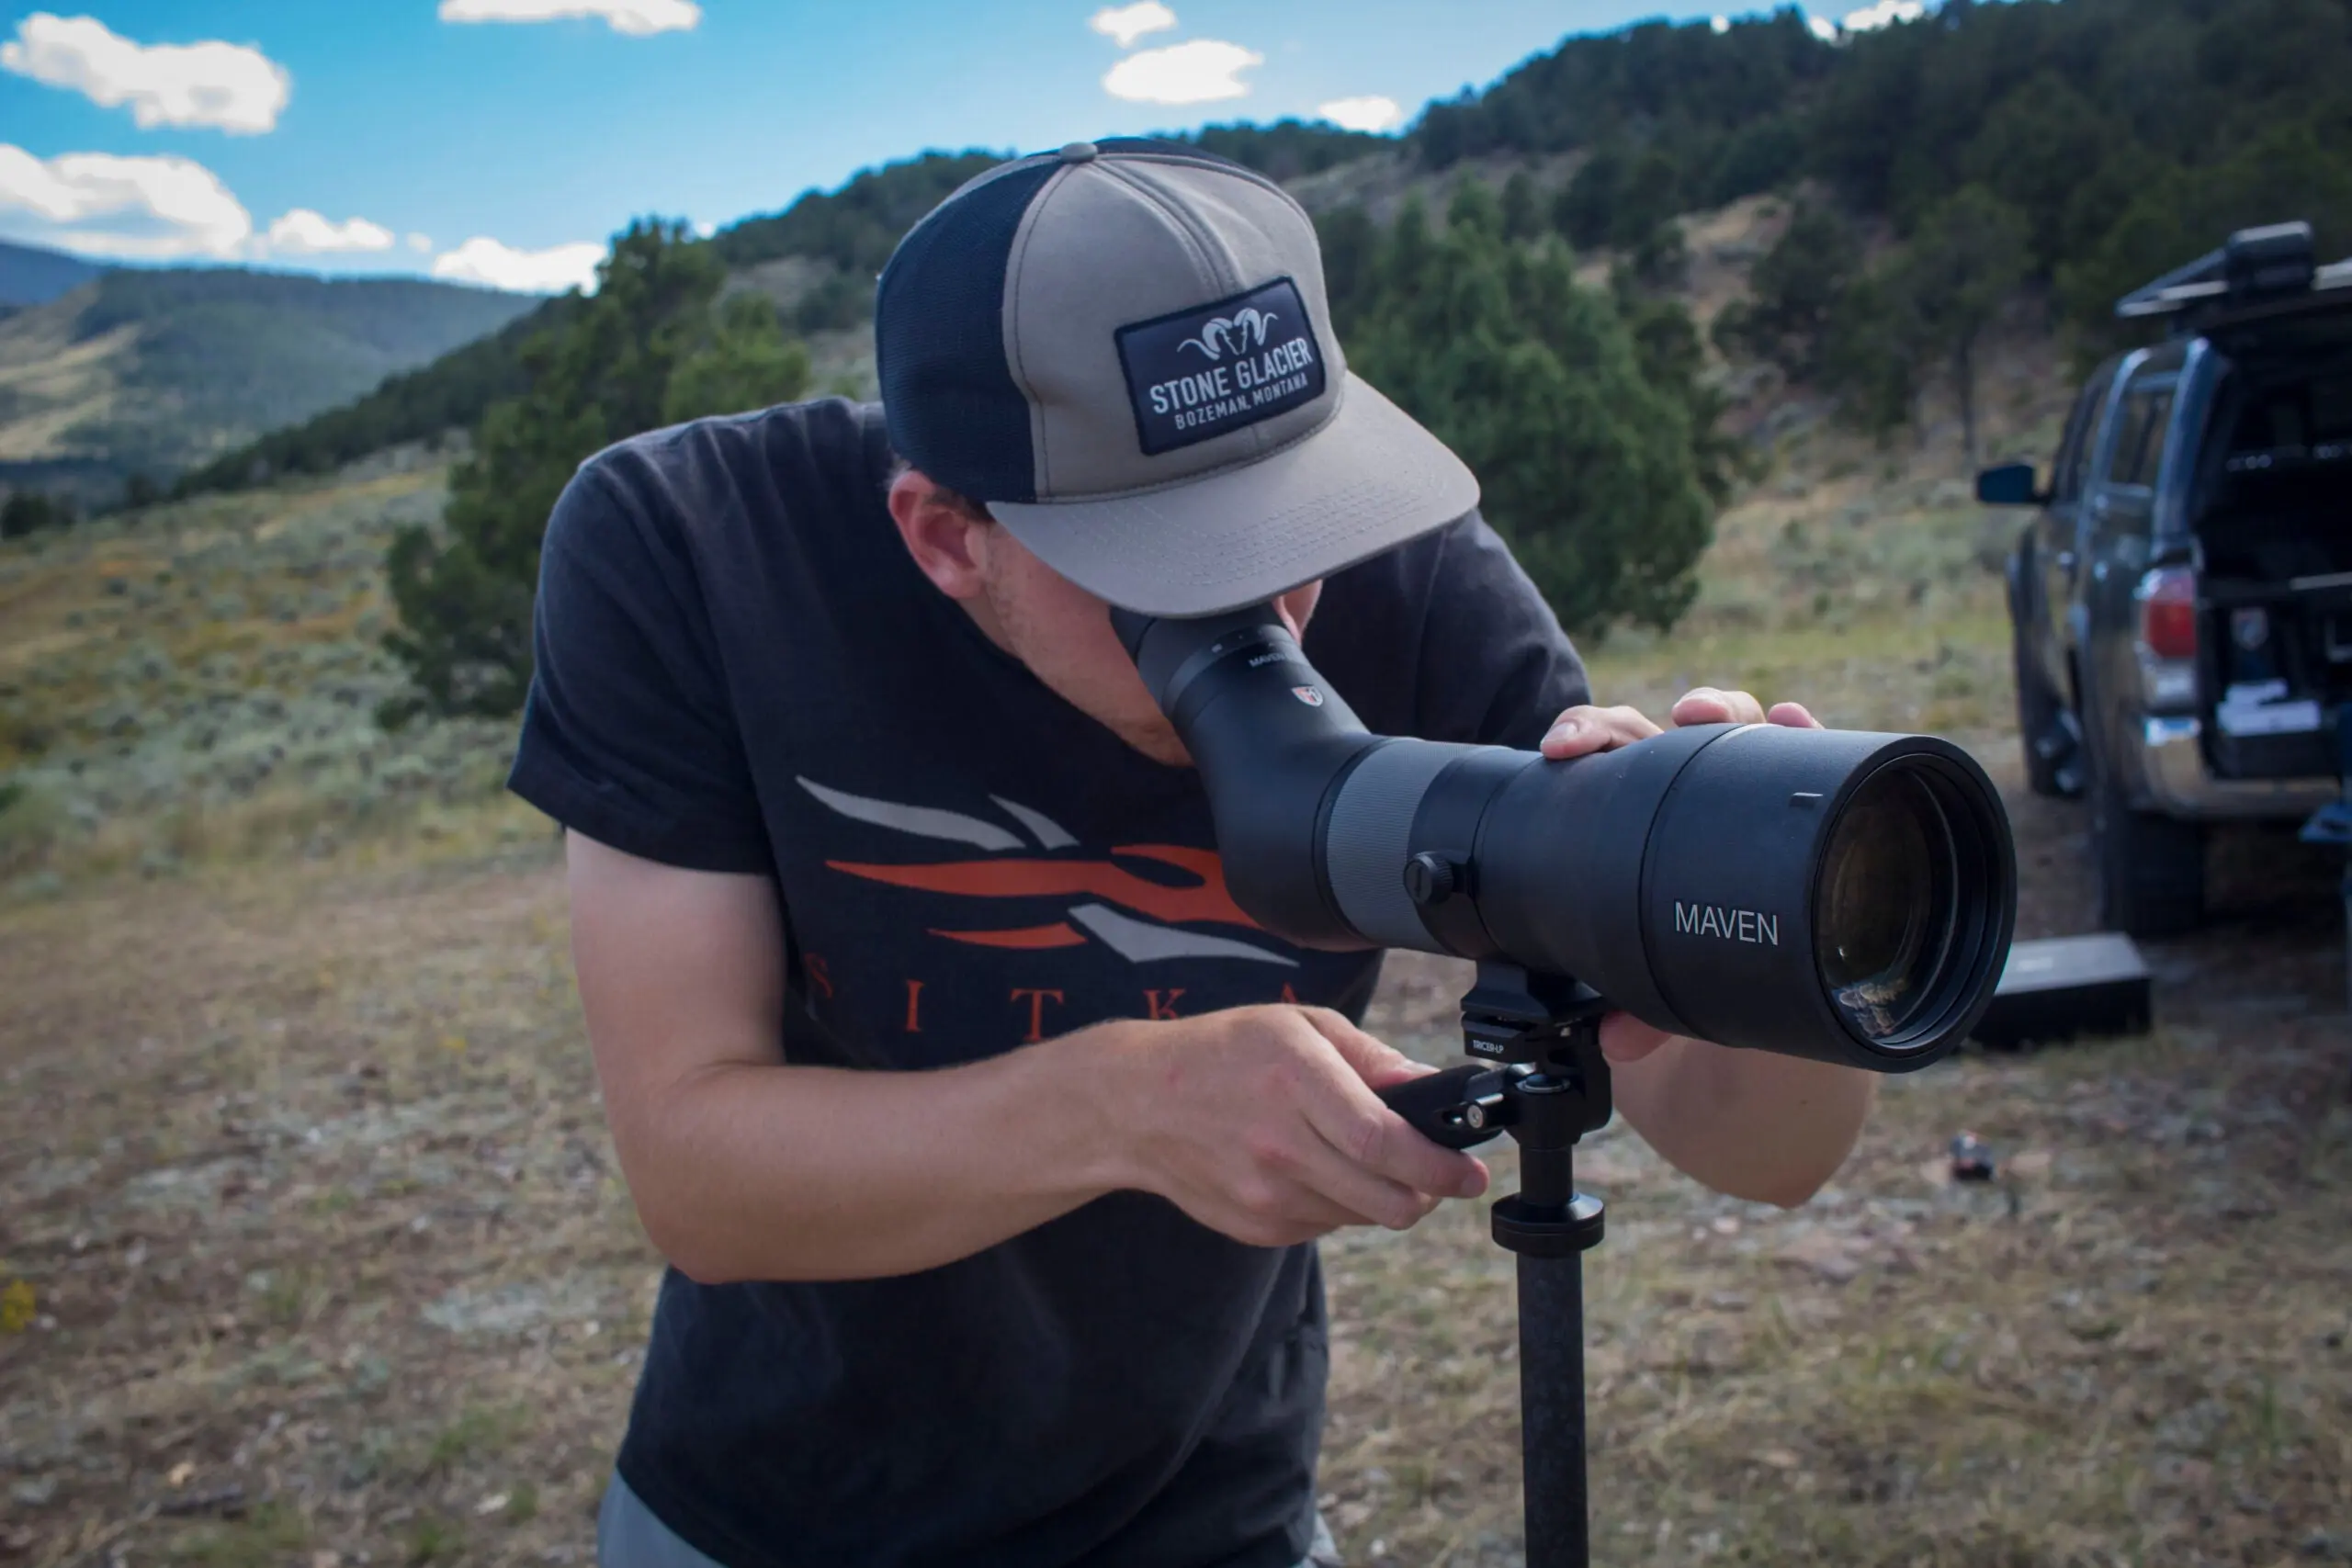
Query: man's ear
x=938, y=534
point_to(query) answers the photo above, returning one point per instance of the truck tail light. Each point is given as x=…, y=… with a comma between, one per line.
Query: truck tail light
x=2167, y=598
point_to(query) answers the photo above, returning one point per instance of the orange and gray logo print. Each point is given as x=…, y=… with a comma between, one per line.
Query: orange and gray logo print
x=1150, y=920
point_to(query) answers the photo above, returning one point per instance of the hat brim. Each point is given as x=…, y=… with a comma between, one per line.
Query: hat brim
x=1368, y=481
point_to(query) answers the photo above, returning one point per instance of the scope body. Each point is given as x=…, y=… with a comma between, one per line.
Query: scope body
x=1839, y=894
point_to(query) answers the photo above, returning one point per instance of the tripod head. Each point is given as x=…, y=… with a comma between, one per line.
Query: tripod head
x=1528, y=1027
x=1544, y=1081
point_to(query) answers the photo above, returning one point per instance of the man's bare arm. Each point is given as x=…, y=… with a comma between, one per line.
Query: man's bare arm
x=1261, y=1122
x=1750, y=1123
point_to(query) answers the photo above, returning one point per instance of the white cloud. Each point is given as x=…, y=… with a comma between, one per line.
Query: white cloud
x=1124, y=24
x=1823, y=28
x=635, y=18
x=1871, y=18
x=1362, y=114
x=550, y=271
x=148, y=209
x=1197, y=71
x=302, y=233
x=231, y=86
x=421, y=243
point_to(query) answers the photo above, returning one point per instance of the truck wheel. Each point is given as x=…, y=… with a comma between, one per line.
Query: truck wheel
x=2051, y=766
x=2151, y=868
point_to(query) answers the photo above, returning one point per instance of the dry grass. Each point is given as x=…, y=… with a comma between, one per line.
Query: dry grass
x=313, y=1250
x=197, y=684
x=2129, y=1350
x=328, y=1255
x=311, y=1185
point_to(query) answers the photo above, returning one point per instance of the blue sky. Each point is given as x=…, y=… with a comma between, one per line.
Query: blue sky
x=508, y=150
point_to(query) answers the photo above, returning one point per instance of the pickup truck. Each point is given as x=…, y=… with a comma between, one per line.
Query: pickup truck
x=2181, y=600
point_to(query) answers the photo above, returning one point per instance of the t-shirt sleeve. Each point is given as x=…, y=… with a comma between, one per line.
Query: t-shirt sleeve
x=628, y=735
x=1495, y=667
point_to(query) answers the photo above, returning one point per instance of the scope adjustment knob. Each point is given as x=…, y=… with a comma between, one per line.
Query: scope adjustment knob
x=1432, y=879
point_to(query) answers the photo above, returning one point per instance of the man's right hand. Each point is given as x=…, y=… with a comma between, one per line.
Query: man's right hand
x=1263, y=1123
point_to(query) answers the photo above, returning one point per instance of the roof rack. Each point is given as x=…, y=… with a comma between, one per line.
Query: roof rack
x=2255, y=267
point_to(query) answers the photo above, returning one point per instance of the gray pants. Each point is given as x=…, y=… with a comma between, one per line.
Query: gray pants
x=628, y=1536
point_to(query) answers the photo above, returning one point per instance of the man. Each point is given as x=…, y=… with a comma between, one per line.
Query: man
x=984, y=1136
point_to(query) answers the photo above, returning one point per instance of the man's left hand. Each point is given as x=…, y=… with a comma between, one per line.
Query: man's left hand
x=1582, y=730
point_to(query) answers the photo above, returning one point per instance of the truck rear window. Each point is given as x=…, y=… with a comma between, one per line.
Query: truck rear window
x=2290, y=423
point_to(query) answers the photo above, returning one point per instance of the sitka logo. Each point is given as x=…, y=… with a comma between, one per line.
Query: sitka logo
x=1237, y=333
x=1138, y=916
x=1220, y=366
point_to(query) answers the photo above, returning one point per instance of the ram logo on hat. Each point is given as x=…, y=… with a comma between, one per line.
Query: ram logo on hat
x=1124, y=350
x=1250, y=326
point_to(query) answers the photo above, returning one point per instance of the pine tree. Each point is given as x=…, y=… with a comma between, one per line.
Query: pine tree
x=646, y=349
x=1585, y=465
x=1874, y=349
x=1793, y=291
x=743, y=362
x=1522, y=215
x=1969, y=256
x=30, y=511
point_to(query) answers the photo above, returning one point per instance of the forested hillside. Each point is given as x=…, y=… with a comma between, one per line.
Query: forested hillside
x=30, y=275
x=817, y=259
x=2111, y=139
x=1986, y=163
x=2125, y=131
x=143, y=372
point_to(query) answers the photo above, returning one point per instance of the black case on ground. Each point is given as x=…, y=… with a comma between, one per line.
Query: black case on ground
x=2062, y=987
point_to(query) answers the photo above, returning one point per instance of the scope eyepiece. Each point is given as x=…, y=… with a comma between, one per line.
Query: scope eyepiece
x=1833, y=894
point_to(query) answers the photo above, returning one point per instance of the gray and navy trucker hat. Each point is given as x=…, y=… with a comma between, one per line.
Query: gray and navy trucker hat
x=1123, y=349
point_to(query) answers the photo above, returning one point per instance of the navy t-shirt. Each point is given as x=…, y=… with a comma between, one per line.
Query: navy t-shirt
x=742, y=669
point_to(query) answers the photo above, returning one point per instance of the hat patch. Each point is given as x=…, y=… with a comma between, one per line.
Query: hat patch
x=1215, y=368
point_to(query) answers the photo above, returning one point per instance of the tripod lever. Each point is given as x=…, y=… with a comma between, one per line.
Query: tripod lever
x=1460, y=1107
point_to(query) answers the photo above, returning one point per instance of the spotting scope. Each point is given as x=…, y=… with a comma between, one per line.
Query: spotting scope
x=1839, y=894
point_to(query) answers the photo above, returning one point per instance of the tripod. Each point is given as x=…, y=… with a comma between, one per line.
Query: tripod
x=1548, y=1087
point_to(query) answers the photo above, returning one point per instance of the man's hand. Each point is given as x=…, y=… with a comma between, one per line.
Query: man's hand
x=1754, y=1124
x=1262, y=1122
x=1582, y=730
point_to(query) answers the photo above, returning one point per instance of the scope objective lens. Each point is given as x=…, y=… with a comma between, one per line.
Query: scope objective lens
x=1886, y=912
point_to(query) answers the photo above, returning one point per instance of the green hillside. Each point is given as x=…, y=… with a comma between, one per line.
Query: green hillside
x=2126, y=135
x=2119, y=136
x=151, y=372
x=816, y=260
x=30, y=275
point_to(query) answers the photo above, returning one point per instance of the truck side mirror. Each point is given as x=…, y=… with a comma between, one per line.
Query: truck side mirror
x=2011, y=484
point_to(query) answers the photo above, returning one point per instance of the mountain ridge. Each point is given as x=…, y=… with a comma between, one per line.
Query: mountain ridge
x=1610, y=139
x=150, y=371
x=33, y=274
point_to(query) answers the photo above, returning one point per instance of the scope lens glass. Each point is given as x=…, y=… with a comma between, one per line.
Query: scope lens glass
x=1885, y=915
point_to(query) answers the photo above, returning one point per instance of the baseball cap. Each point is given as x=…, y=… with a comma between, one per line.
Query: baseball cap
x=1123, y=350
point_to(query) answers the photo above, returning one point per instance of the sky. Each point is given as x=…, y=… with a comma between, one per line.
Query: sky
x=502, y=142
